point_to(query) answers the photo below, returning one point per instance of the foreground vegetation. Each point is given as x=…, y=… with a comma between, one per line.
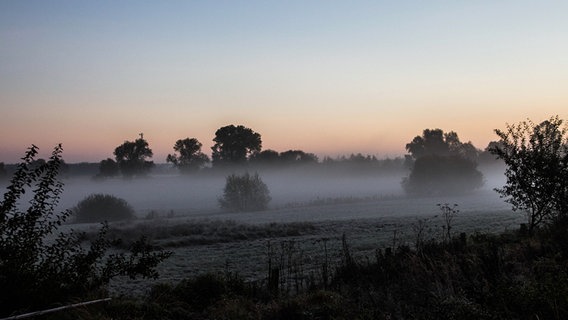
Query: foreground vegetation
x=39, y=264
x=476, y=276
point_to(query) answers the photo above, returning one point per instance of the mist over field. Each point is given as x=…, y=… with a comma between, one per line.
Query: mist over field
x=308, y=204
x=181, y=206
x=283, y=160
x=197, y=195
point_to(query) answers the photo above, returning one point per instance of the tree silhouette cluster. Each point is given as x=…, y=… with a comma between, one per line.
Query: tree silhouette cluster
x=131, y=157
x=234, y=145
x=290, y=157
x=188, y=156
x=442, y=164
x=451, y=164
x=3, y=172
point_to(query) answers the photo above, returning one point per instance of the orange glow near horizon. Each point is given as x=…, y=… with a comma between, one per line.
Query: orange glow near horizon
x=382, y=137
x=346, y=79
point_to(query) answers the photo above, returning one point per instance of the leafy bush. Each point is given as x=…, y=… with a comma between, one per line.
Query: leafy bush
x=536, y=159
x=102, y=207
x=245, y=193
x=41, y=266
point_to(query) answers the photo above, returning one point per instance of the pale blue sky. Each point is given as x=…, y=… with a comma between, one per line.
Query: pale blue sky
x=330, y=77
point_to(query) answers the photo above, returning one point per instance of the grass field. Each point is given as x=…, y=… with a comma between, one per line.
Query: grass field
x=301, y=230
x=304, y=237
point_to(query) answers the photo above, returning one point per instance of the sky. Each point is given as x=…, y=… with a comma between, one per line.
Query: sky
x=323, y=76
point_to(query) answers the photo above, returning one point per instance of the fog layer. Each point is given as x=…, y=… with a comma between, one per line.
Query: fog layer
x=197, y=195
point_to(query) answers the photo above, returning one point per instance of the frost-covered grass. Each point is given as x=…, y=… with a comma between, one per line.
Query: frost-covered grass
x=171, y=234
x=309, y=213
x=211, y=245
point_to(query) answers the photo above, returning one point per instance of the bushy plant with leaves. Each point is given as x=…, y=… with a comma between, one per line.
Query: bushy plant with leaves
x=41, y=266
x=245, y=193
x=102, y=207
x=536, y=159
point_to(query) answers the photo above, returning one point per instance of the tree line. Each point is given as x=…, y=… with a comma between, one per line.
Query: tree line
x=234, y=146
x=438, y=162
x=237, y=145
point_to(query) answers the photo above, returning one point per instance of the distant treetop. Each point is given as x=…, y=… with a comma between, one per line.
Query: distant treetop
x=441, y=164
x=189, y=157
x=234, y=144
x=132, y=157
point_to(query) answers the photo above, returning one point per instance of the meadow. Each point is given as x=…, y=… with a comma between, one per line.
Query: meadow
x=339, y=245
x=303, y=229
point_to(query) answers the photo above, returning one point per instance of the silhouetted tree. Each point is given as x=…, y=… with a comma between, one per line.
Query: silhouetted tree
x=536, y=159
x=441, y=164
x=267, y=157
x=360, y=158
x=37, y=163
x=486, y=157
x=190, y=157
x=432, y=142
x=298, y=156
x=433, y=175
x=131, y=157
x=436, y=142
x=392, y=164
x=108, y=168
x=234, y=144
x=42, y=265
x=467, y=150
x=245, y=193
x=3, y=173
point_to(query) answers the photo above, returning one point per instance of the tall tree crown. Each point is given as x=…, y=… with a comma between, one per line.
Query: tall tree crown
x=189, y=156
x=234, y=144
x=132, y=156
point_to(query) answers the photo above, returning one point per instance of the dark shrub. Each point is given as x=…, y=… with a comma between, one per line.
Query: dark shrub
x=245, y=193
x=434, y=175
x=102, y=207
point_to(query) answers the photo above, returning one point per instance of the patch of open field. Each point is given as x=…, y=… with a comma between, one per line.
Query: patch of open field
x=308, y=236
